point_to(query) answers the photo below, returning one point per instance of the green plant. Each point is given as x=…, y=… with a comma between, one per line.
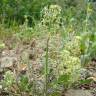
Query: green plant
x=2, y=45
x=87, y=37
x=70, y=65
x=73, y=46
x=46, y=68
x=51, y=17
x=9, y=80
x=24, y=84
x=72, y=43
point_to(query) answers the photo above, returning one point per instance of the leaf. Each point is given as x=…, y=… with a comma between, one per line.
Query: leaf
x=87, y=81
x=63, y=79
x=55, y=94
x=2, y=45
x=24, y=84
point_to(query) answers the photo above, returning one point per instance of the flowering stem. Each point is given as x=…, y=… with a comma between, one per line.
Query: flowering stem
x=46, y=69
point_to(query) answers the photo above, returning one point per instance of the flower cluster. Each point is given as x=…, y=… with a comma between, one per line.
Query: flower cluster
x=51, y=15
x=73, y=46
x=69, y=65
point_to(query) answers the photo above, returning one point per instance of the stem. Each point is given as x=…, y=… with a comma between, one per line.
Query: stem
x=87, y=16
x=86, y=29
x=86, y=25
x=46, y=69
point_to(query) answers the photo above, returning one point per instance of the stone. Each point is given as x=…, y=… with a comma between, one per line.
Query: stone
x=24, y=56
x=73, y=92
x=7, y=62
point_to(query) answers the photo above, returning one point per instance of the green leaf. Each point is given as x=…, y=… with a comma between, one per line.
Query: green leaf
x=87, y=81
x=55, y=94
x=24, y=84
x=63, y=79
x=2, y=45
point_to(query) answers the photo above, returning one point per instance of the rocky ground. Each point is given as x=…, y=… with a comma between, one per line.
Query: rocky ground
x=15, y=59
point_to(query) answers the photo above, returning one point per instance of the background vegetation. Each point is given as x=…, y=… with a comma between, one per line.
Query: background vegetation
x=53, y=42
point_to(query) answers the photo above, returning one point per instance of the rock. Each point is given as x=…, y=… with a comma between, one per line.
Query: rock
x=7, y=62
x=10, y=53
x=73, y=92
x=84, y=73
x=24, y=56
